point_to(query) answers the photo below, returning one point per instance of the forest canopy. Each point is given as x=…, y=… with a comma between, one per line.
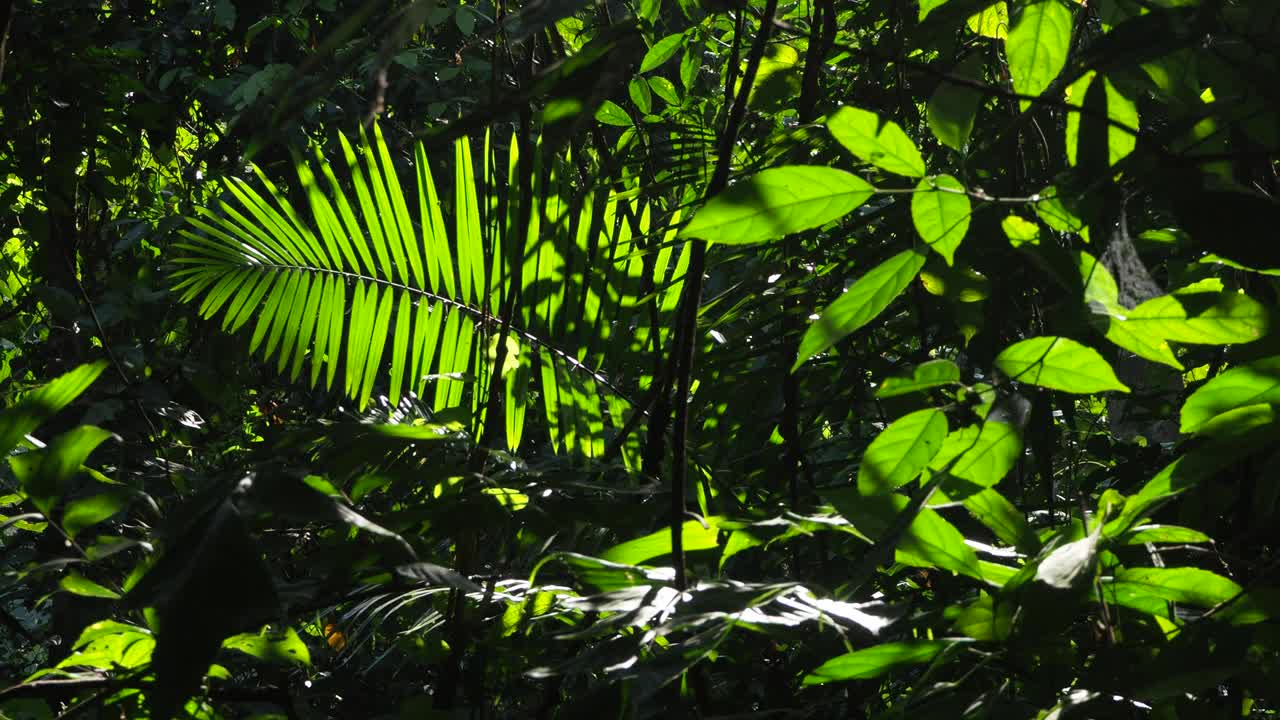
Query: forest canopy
x=639, y=358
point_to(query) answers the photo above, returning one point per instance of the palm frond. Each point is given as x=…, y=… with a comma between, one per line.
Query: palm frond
x=384, y=300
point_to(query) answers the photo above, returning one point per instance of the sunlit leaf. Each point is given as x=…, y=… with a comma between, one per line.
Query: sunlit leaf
x=931, y=374
x=875, y=661
x=1037, y=45
x=695, y=534
x=860, y=304
x=273, y=647
x=876, y=140
x=1059, y=363
x=901, y=451
x=940, y=209
x=778, y=202
x=1251, y=384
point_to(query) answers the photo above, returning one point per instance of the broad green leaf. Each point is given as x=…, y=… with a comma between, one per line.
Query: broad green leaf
x=940, y=209
x=84, y=512
x=1120, y=110
x=1020, y=230
x=876, y=140
x=274, y=647
x=953, y=107
x=991, y=509
x=1150, y=590
x=901, y=451
x=1058, y=363
x=41, y=404
x=662, y=51
x=982, y=456
x=778, y=202
x=658, y=543
x=1163, y=534
x=1252, y=384
x=1037, y=45
x=610, y=113
x=78, y=584
x=931, y=374
x=60, y=462
x=1051, y=208
x=875, y=661
x=665, y=89
x=989, y=618
x=860, y=304
x=1202, y=318
x=928, y=541
x=1102, y=294
x=641, y=95
x=992, y=22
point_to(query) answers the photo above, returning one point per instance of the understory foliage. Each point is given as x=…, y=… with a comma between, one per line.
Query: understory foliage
x=886, y=359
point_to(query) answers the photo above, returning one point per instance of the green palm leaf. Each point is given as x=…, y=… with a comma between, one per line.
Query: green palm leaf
x=365, y=291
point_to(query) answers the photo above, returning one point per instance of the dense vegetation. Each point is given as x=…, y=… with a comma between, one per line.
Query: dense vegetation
x=884, y=359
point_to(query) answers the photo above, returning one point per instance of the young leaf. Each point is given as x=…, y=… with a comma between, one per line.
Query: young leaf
x=1058, y=363
x=860, y=304
x=778, y=202
x=931, y=374
x=940, y=210
x=1038, y=44
x=1257, y=382
x=875, y=661
x=901, y=451
x=877, y=141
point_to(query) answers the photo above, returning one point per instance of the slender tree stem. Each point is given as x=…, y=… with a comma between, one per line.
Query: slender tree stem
x=685, y=346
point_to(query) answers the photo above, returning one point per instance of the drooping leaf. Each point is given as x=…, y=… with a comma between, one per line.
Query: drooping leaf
x=40, y=405
x=78, y=584
x=696, y=536
x=778, y=202
x=901, y=451
x=860, y=304
x=953, y=107
x=928, y=540
x=269, y=646
x=1251, y=384
x=876, y=140
x=931, y=374
x=1151, y=590
x=875, y=661
x=1037, y=45
x=61, y=461
x=88, y=511
x=940, y=209
x=1059, y=363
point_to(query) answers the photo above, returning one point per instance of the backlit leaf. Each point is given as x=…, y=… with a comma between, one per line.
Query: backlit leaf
x=931, y=374
x=1257, y=382
x=860, y=304
x=1037, y=45
x=778, y=202
x=1058, y=363
x=940, y=210
x=876, y=140
x=901, y=451
x=875, y=661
